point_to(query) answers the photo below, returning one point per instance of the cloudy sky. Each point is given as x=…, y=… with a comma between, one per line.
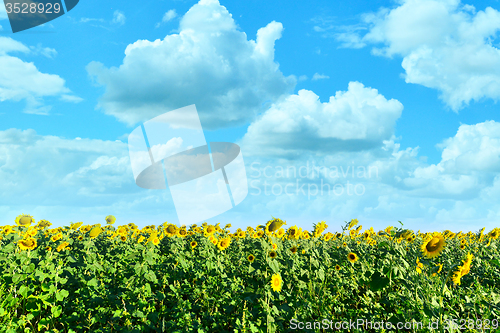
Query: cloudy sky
x=383, y=111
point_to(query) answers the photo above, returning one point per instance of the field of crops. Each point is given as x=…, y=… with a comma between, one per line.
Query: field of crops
x=93, y=278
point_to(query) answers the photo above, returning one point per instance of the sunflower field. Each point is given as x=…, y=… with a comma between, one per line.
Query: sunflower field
x=93, y=278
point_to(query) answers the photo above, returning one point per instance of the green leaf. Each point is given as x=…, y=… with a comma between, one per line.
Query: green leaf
x=30, y=268
x=43, y=324
x=93, y=283
x=61, y=294
x=273, y=264
x=321, y=274
x=17, y=278
x=56, y=311
x=23, y=291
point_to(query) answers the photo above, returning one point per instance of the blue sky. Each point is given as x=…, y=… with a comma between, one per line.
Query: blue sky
x=406, y=88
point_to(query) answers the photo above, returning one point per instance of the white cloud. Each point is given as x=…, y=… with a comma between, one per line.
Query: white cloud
x=469, y=164
x=118, y=17
x=209, y=63
x=317, y=76
x=21, y=80
x=356, y=119
x=444, y=46
x=45, y=51
x=168, y=16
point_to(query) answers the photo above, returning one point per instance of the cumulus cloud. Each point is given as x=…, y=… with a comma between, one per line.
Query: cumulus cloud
x=385, y=184
x=317, y=76
x=444, y=45
x=21, y=80
x=118, y=18
x=356, y=119
x=209, y=63
x=168, y=16
x=470, y=161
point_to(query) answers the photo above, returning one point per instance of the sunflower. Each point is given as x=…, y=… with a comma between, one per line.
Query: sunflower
x=155, y=241
x=24, y=220
x=419, y=266
x=462, y=246
x=241, y=234
x=123, y=238
x=275, y=246
x=228, y=226
x=62, y=246
x=171, y=230
x=251, y=258
x=303, y=251
x=281, y=232
x=328, y=236
x=44, y=224
x=344, y=244
x=337, y=267
x=7, y=229
x=293, y=232
x=224, y=243
x=352, y=223
x=495, y=233
x=352, y=257
x=433, y=245
x=260, y=233
x=273, y=254
x=182, y=233
x=214, y=241
x=27, y=244
x=276, y=282
x=462, y=270
x=274, y=224
x=110, y=219
x=141, y=239
x=193, y=244
x=294, y=249
x=305, y=235
x=95, y=232
x=210, y=229
x=75, y=226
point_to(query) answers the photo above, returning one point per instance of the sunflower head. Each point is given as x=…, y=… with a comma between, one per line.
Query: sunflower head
x=110, y=219
x=276, y=282
x=193, y=244
x=294, y=249
x=274, y=224
x=251, y=258
x=433, y=245
x=27, y=244
x=24, y=220
x=352, y=257
x=337, y=267
x=273, y=254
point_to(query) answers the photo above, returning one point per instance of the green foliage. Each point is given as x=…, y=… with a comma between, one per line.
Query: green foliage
x=105, y=284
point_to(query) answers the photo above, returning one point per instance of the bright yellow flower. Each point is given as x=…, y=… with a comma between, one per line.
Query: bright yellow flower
x=24, y=220
x=352, y=257
x=27, y=244
x=433, y=245
x=276, y=282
